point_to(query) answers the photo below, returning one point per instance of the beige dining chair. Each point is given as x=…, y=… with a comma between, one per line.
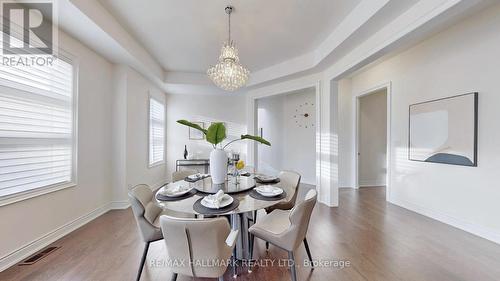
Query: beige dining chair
x=147, y=216
x=193, y=244
x=249, y=168
x=286, y=229
x=182, y=174
x=287, y=178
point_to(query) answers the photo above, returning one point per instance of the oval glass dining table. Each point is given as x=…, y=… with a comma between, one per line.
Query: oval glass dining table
x=239, y=217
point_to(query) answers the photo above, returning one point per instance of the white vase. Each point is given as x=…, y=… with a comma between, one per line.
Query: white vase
x=218, y=166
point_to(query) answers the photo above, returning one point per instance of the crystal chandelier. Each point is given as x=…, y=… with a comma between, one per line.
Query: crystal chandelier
x=228, y=74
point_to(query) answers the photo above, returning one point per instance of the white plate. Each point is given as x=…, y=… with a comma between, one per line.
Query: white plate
x=275, y=192
x=167, y=191
x=226, y=201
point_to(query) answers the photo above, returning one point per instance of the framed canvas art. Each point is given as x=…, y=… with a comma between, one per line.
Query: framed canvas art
x=196, y=134
x=444, y=130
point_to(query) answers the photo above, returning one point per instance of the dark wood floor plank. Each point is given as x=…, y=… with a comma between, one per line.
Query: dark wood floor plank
x=380, y=240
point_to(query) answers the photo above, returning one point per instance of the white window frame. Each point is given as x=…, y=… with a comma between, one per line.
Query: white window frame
x=27, y=194
x=161, y=162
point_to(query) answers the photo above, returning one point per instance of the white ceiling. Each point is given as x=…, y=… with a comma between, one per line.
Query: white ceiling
x=173, y=42
x=186, y=35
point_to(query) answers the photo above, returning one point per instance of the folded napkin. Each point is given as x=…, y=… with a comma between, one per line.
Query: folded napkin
x=169, y=190
x=194, y=177
x=265, y=178
x=215, y=199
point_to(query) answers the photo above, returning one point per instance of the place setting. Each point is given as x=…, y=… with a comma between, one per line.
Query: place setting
x=175, y=192
x=268, y=193
x=196, y=177
x=217, y=203
x=266, y=179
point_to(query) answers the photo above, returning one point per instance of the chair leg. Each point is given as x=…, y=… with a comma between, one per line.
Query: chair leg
x=174, y=277
x=235, y=273
x=308, y=252
x=143, y=260
x=252, y=239
x=250, y=249
x=293, y=272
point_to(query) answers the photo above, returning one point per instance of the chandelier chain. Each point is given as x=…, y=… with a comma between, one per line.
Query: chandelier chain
x=229, y=20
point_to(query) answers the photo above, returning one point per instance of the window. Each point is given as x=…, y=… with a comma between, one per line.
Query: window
x=37, y=132
x=156, y=132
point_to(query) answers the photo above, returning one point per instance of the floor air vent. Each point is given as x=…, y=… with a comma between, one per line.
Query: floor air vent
x=38, y=256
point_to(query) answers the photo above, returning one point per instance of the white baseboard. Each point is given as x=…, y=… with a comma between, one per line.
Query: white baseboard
x=371, y=183
x=472, y=228
x=49, y=238
x=119, y=205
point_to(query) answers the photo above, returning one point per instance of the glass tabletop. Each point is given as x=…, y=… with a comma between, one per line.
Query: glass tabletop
x=240, y=192
x=232, y=185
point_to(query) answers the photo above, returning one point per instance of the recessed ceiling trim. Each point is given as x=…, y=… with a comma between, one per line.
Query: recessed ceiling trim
x=121, y=47
x=413, y=18
x=356, y=18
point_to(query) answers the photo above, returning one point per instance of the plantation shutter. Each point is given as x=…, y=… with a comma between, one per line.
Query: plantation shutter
x=36, y=126
x=156, y=132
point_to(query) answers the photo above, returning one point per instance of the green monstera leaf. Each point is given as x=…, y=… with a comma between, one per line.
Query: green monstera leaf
x=256, y=138
x=192, y=125
x=216, y=133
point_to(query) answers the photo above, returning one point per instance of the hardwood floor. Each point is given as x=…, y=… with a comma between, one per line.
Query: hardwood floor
x=380, y=241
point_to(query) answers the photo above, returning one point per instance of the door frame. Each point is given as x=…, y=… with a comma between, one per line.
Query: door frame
x=356, y=103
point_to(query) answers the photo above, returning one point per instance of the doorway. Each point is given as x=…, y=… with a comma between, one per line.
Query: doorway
x=372, y=150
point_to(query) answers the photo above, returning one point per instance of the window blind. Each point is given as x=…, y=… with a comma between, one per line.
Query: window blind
x=36, y=126
x=156, y=132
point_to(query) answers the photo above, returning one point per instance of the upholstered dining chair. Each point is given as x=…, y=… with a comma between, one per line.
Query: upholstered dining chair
x=147, y=216
x=193, y=242
x=286, y=229
x=287, y=178
x=182, y=174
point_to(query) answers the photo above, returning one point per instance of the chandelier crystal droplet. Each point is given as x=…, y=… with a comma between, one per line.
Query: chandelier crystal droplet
x=229, y=74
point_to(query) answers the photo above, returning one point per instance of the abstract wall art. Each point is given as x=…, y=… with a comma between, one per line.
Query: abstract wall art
x=444, y=130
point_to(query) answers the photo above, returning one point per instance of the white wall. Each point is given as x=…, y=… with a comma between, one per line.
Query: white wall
x=373, y=139
x=27, y=221
x=271, y=118
x=300, y=142
x=346, y=135
x=131, y=92
x=119, y=134
x=138, y=171
x=292, y=147
x=462, y=59
x=229, y=108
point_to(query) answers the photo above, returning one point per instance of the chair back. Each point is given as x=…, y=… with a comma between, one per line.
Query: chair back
x=145, y=211
x=191, y=243
x=300, y=216
x=292, y=179
x=249, y=168
x=182, y=174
